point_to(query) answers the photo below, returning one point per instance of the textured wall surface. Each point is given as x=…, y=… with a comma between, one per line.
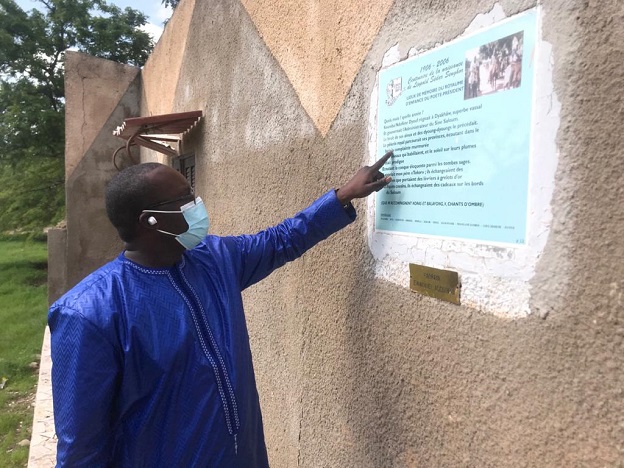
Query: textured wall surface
x=162, y=69
x=101, y=94
x=57, y=263
x=93, y=88
x=320, y=46
x=354, y=371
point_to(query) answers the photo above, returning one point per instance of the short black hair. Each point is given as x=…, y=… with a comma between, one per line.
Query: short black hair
x=127, y=195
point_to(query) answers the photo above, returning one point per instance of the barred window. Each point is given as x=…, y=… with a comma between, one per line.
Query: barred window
x=185, y=165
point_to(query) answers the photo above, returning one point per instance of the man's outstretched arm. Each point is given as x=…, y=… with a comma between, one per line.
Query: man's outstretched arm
x=367, y=180
x=262, y=253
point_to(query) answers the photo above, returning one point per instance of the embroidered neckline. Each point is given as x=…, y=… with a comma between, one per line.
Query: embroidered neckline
x=149, y=270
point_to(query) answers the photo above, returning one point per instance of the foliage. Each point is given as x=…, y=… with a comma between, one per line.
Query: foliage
x=32, y=94
x=23, y=305
x=31, y=194
x=171, y=3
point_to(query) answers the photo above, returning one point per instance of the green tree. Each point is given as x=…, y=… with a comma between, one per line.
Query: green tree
x=170, y=3
x=32, y=95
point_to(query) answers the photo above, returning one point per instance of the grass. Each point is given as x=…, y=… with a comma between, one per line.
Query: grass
x=23, y=312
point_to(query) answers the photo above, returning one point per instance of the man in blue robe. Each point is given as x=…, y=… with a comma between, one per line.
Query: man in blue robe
x=151, y=359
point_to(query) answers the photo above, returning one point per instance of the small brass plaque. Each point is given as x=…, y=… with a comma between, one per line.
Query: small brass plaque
x=441, y=284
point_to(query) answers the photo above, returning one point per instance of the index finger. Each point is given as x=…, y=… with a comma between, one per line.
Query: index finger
x=382, y=161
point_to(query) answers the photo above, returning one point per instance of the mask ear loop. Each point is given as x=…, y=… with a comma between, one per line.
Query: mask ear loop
x=161, y=211
x=181, y=210
x=152, y=221
x=149, y=220
x=168, y=233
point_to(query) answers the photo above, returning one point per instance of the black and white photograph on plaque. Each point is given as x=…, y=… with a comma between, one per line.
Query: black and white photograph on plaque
x=494, y=67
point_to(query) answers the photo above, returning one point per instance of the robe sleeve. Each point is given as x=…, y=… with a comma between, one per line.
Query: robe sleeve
x=262, y=253
x=85, y=372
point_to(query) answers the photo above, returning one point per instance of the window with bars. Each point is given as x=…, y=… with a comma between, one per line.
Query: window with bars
x=185, y=165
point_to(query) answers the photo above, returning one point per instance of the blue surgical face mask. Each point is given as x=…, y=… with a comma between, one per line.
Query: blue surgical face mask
x=196, y=217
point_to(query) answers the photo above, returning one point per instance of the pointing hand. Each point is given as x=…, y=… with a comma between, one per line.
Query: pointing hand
x=365, y=181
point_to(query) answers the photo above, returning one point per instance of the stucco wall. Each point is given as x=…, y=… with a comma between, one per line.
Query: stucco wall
x=100, y=94
x=357, y=371
x=57, y=263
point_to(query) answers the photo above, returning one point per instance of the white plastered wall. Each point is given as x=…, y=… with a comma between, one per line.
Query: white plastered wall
x=494, y=278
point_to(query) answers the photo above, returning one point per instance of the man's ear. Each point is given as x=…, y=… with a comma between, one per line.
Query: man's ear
x=147, y=220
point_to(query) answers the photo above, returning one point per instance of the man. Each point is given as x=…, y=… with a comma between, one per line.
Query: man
x=151, y=358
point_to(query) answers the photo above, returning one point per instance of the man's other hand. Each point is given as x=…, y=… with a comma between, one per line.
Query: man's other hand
x=365, y=181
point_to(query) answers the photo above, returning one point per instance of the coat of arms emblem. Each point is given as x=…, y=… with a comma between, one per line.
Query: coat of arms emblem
x=393, y=90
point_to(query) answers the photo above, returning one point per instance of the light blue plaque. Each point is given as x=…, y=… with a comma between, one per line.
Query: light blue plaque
x=459, y=121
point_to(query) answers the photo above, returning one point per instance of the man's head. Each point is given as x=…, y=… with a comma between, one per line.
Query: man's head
x=140, y=187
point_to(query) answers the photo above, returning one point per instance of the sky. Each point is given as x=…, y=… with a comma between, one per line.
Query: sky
x=154, y=10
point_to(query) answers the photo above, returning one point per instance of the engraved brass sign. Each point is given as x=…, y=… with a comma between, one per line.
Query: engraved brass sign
x=441, y=284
